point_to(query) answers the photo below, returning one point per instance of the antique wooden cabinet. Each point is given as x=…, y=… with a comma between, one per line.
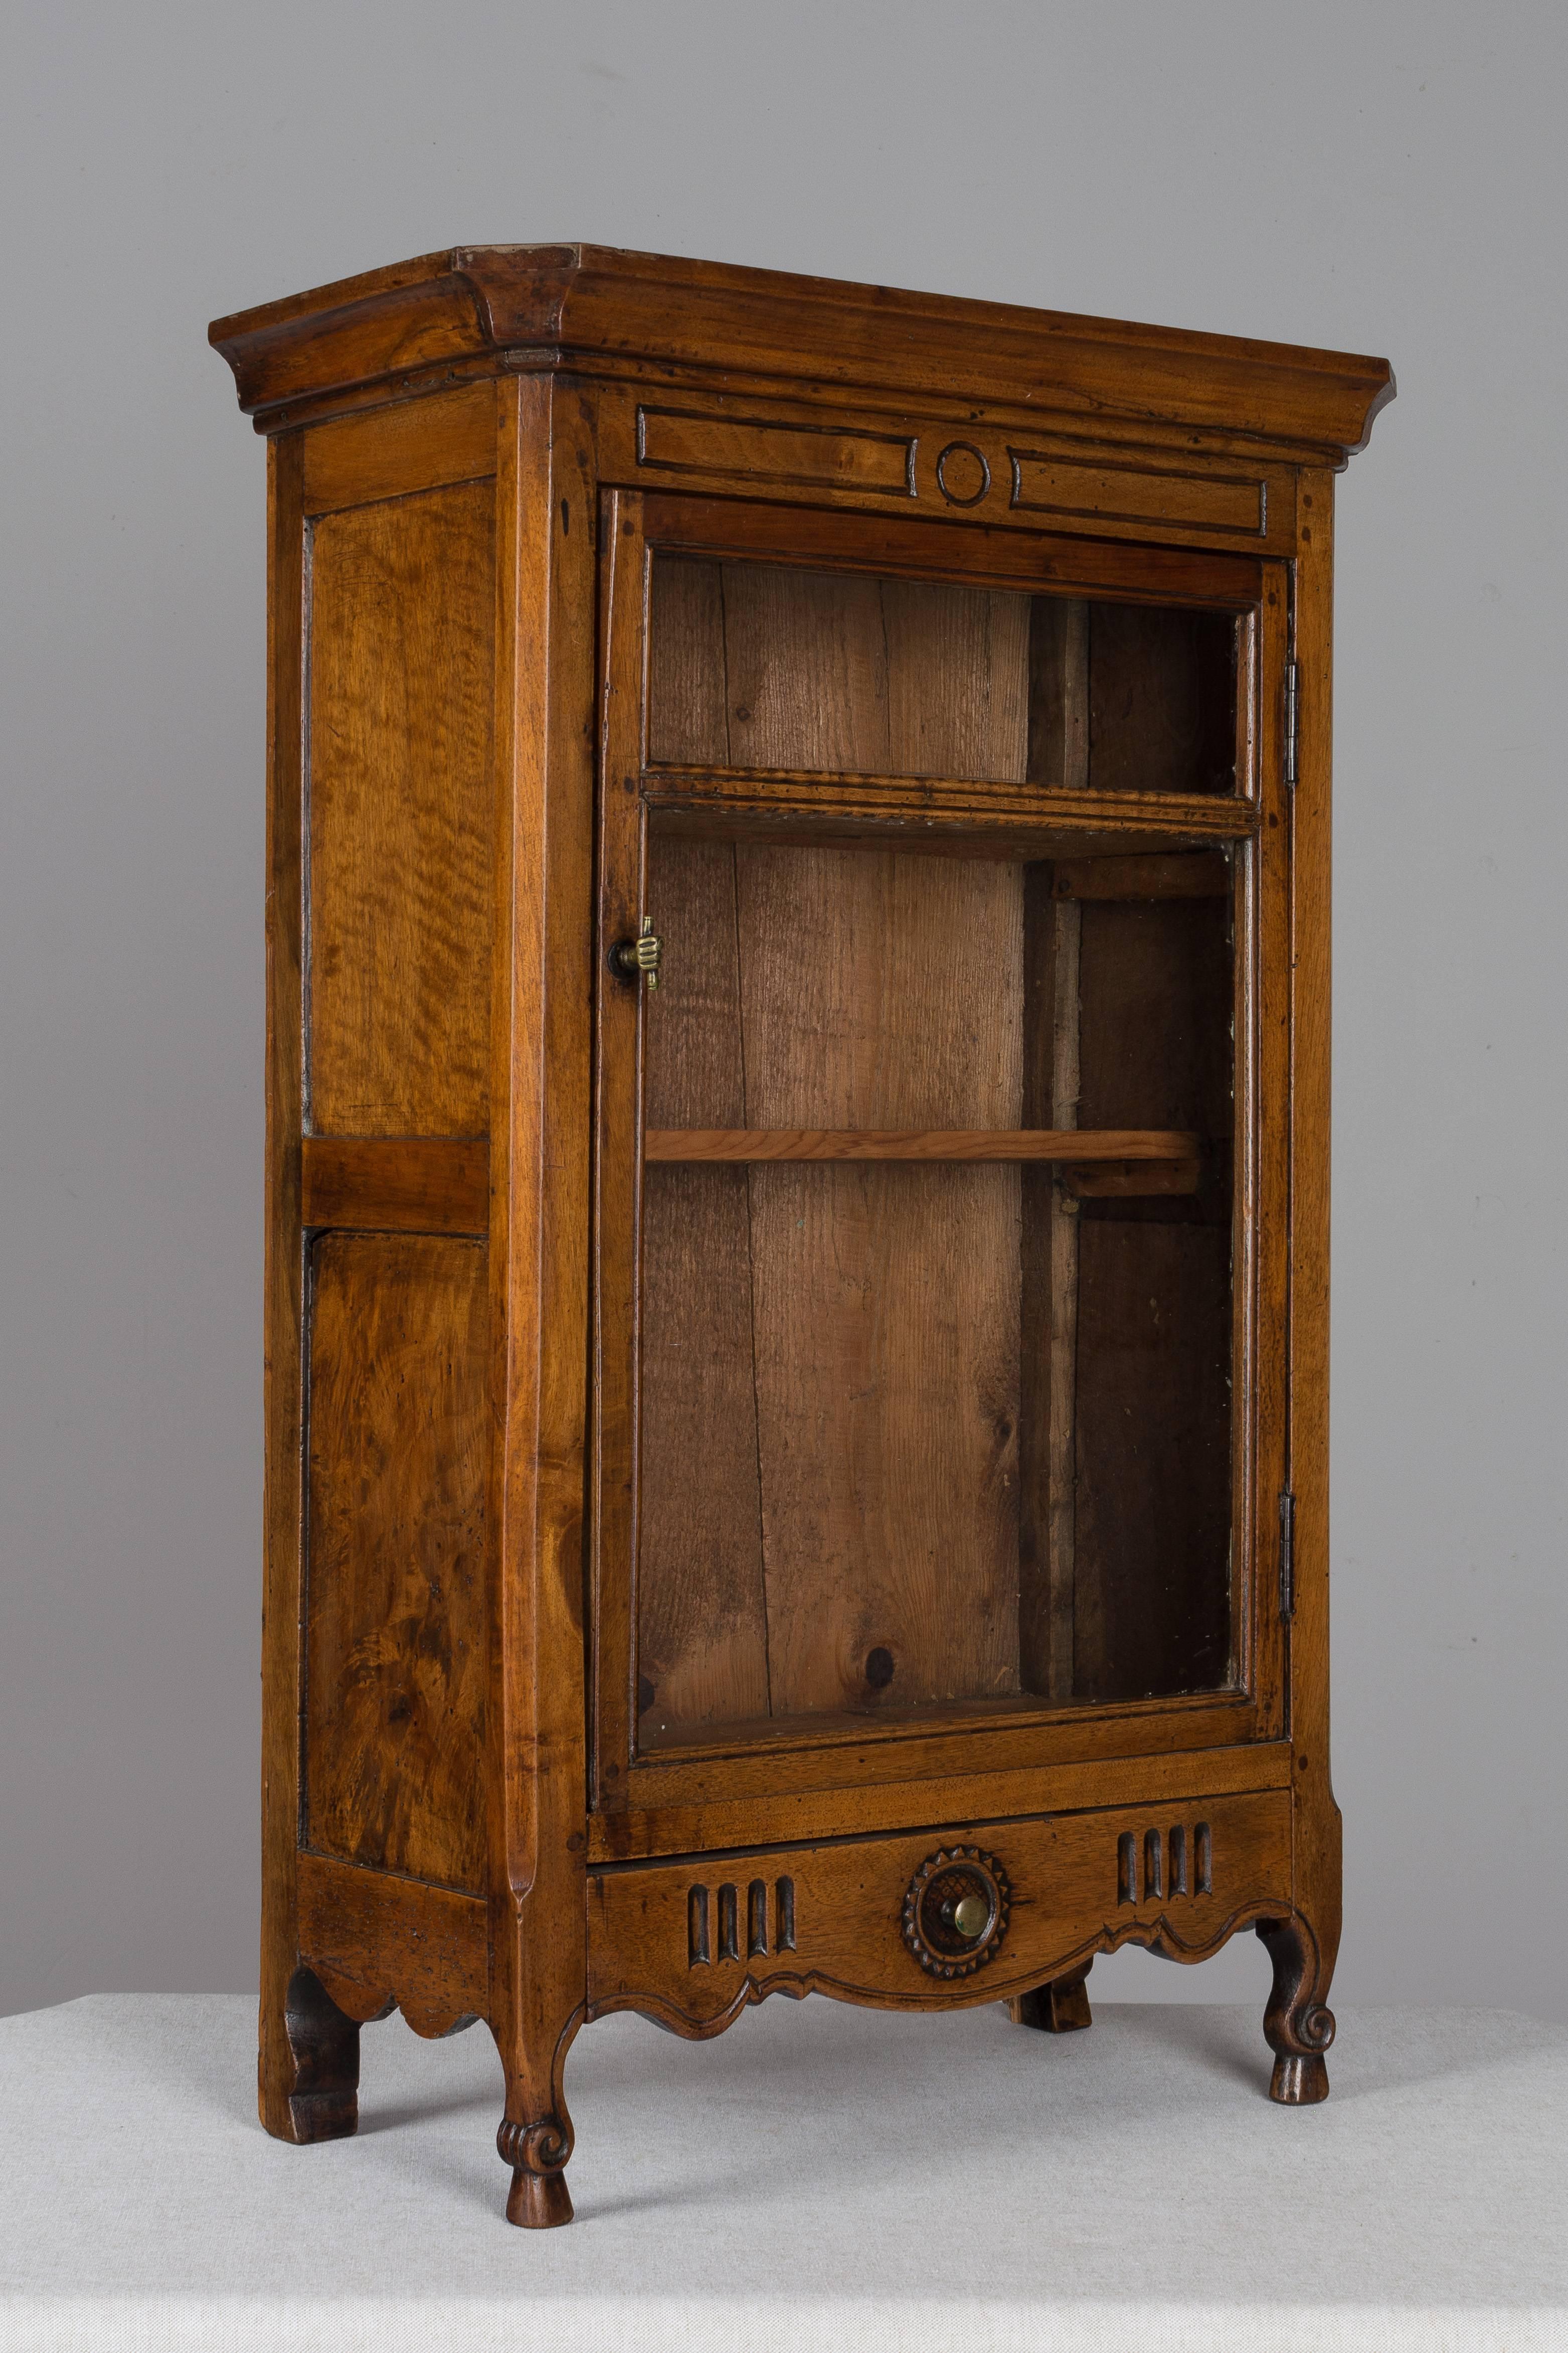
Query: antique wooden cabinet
x=797, y=1164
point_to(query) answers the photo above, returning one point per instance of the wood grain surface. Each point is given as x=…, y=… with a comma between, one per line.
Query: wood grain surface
x=1069, y=1899
x=926, y=1495
x=702, y=1643
x=764, y=1143
x=886, y=1297
x=831, y=672
x=401, y=802
x=407, y=1184
x=451, y=311
x=859, y=989
x=1161, y=699
x=394, y=1639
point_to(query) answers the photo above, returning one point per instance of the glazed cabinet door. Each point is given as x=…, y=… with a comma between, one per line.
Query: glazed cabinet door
x=941, y=1196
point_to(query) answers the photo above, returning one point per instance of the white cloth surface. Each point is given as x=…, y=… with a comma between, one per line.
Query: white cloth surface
x=818, y=2177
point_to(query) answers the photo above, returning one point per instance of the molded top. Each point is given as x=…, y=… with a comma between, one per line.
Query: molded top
x=477, y=309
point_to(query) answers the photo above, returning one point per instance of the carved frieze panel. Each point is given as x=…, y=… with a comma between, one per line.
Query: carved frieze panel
x=1044, y=481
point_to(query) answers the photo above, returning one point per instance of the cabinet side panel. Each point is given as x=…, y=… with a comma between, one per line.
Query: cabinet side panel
x=1161, y=699
x=1152, y=1459
x=402, y=640
x=1153, y=1357
x=395, y=1618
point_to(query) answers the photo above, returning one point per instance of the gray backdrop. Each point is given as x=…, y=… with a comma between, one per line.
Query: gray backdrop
x=1387, y=179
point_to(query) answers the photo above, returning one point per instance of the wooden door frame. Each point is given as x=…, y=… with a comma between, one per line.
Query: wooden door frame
x=1256, y=821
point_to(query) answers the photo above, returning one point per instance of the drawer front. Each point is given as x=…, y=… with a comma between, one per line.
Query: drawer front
x=935, y=1918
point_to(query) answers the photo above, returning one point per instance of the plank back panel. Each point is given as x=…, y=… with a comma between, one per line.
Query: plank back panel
x=701, y=1628
x=764, y=666
x=401, y=796
x=394, y=1606
x=832, y=988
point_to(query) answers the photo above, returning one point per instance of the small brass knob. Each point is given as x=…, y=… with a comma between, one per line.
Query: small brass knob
x=970, y=1915
x=635, y=958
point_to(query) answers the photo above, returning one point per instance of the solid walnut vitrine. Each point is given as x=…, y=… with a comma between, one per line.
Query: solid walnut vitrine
x=797, y=1164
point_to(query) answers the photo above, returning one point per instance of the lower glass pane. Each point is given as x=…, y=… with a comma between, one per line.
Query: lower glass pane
x=934, y=1415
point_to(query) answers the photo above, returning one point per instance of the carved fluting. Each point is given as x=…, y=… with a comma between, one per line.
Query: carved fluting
x=1172, y=1864
x=759, y=1941
x=1298, y=2025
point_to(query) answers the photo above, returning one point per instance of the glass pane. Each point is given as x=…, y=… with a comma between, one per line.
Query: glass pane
x=768, y=666
x=932, y=1415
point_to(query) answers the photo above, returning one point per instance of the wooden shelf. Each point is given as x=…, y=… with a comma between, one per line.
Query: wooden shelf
x=1066, y=1144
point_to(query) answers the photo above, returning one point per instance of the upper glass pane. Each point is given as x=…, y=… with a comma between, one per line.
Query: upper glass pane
x=772, y=666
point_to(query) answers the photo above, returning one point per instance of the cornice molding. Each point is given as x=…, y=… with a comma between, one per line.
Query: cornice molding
x=470, y=310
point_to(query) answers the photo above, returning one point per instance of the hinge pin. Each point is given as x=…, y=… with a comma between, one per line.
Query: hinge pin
x=1290, y=722
x=1287, y=1555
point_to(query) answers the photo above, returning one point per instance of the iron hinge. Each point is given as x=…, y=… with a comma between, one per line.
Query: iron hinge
x=1287, y=1555
x=1290, y=724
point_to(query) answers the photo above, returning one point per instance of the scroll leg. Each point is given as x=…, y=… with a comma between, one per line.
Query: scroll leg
x=535, y=2136
x=1298, y=2024
x=309, y=2066
x=1059, y=2007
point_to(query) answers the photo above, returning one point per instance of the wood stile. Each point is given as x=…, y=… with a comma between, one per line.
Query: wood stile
x=295, y=2036
x=811, y=1437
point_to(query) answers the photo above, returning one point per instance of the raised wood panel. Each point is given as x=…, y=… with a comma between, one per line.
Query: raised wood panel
x=401, y=797
x=979, y=470
x=1096, y=492
x=395, y=1590
x=419, y=444
x=402, y=1184
x=772, y=455
x=829, y=1918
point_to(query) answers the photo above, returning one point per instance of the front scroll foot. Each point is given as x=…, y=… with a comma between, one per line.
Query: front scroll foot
x=1059, y=2007
x=1299, y=2083
x=1298, y=2025
x=317, y=2095
x=538, y=2202
x=539, y=2199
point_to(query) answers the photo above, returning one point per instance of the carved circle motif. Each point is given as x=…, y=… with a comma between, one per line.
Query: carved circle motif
x=963, y=474
x=955, y=1877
